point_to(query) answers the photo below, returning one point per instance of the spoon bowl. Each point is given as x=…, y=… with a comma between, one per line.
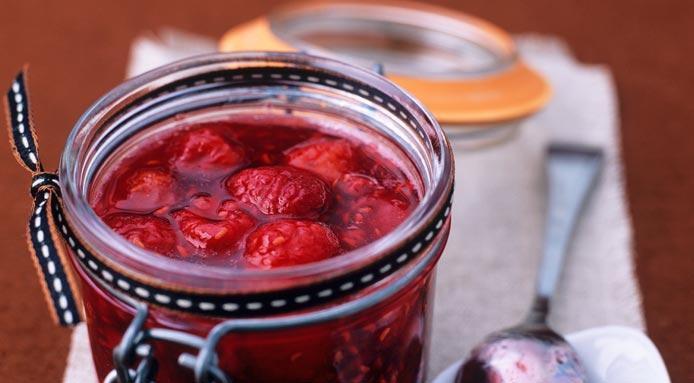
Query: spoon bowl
x=526, y=353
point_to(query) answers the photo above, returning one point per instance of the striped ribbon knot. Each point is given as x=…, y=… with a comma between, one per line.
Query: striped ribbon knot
x=42, y=181
x=44, y=239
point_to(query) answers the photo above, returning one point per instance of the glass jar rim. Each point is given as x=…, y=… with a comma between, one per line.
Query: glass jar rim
x=164, y=271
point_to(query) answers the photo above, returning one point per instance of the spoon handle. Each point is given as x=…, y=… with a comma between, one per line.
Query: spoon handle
x=572, y=173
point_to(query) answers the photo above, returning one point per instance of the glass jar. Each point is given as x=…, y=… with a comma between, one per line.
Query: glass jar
x=362, y=316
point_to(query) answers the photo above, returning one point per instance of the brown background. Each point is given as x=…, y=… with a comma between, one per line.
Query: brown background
x=78, y=51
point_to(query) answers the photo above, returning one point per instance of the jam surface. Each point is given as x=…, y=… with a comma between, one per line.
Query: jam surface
x=246, y=194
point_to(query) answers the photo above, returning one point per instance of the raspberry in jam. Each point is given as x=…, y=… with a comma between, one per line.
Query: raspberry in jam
x=253, y=194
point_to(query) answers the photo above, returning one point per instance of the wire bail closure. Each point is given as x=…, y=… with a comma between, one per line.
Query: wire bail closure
x=134, y=344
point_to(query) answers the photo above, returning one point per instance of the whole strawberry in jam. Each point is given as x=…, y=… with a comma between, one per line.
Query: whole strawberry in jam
x=280, y=190
x=329, y=158
x=145, y=189
x=219, y=233
x=290, y=242
x=148, y=232
x=204, y=150
x=366, y=210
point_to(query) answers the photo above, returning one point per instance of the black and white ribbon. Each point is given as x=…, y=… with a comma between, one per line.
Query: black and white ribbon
x=49, y=258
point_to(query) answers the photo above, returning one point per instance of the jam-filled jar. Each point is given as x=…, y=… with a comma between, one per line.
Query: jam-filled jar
x=311, y=284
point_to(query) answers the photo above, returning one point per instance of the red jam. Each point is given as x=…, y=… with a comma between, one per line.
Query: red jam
x=265, y=193
x=253, y=195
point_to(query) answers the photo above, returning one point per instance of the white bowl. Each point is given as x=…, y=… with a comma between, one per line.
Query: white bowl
x=611, y=354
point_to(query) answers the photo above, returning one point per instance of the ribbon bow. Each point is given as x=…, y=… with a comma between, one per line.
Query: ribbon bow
x=49, y=255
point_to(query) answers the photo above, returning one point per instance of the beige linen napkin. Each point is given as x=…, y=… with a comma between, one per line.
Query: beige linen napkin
x=486, y=276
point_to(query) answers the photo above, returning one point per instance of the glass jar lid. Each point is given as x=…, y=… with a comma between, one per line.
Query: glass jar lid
x=464, y=69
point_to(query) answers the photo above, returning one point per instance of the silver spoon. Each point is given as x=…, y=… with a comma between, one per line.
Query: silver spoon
x=532, y=352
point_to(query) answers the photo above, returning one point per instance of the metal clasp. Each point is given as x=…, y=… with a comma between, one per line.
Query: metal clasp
x=134, y=345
